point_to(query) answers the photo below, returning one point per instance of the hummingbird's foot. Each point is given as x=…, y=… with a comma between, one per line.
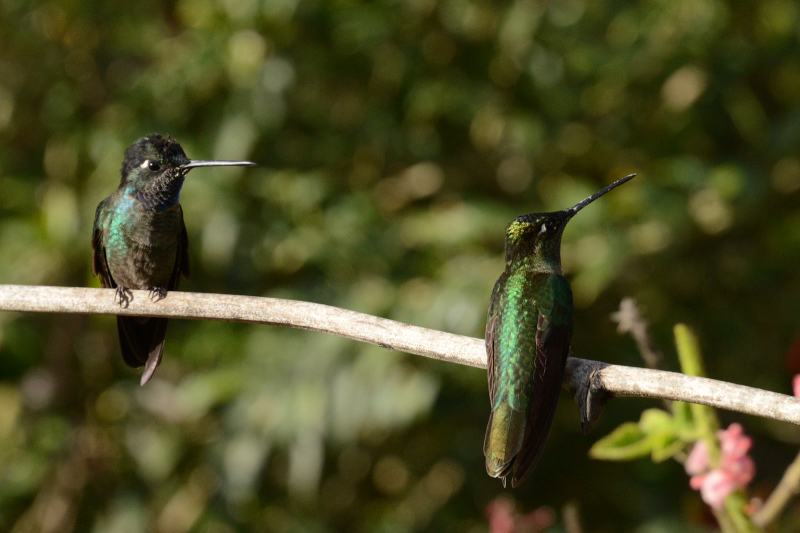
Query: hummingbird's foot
x=123, y=296
x=158, y=293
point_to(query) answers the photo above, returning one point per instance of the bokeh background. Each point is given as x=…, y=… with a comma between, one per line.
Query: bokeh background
x=396, y=139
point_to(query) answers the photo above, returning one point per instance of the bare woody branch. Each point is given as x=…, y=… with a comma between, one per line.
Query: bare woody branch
x=591, y=383
x=787, y=489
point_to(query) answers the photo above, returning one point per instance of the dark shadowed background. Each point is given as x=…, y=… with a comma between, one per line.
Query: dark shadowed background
x=396, y=140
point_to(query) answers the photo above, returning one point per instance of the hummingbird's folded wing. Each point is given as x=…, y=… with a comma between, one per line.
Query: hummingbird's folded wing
x=491, y=325
x=99, y=262
x=181, y=258
x=553, y=337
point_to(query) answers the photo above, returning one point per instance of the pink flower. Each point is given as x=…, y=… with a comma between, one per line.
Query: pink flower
x=500, y=513
x=735, y=470
x=741, y=469
x=698, y=460
x=503, y=519
x=537, y=520
x=717, y=485
x=796, y=385
x=696, y=482
x=733, y=441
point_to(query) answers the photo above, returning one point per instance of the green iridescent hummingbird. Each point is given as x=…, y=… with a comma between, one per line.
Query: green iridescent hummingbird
x=139, y=240
x=528, y=335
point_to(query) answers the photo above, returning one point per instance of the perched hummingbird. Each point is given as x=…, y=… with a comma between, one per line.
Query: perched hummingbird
x=528, y=334
x=139, y=239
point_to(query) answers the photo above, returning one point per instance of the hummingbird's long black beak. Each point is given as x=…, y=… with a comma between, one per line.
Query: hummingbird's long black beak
x=195, y=163
x=580, y=205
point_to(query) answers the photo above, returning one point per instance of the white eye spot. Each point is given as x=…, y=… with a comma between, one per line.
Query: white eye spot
x=144, y=165
x=544, y=229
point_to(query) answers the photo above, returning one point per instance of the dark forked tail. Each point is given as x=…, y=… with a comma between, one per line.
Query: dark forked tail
x=142, y=342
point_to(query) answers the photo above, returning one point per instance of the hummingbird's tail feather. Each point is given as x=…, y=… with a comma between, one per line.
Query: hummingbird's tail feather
x=504, y=439
x=152, y=361
x=548, y=376
x=142, y=342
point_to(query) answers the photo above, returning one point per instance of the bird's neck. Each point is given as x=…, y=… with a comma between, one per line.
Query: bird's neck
x=534, y=263
x=159, y=195
x=541, y=256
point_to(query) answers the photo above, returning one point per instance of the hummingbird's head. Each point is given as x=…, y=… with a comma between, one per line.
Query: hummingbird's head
x=535, y=238
x=155, y=167
x=154, y=170
x=152, y=157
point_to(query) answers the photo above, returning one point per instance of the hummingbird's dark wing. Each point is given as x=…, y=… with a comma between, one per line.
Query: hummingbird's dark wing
x=491, y=325
x=507, y=360
x=154, y=330
x=553, y=338
x=99, y=263
x=182, y=264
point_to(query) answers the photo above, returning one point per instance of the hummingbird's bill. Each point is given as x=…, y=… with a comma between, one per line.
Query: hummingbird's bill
x=580, y=205
x=195, y=163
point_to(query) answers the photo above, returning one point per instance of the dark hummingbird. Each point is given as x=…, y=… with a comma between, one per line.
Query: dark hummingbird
x=139, y=240
x=528, y=334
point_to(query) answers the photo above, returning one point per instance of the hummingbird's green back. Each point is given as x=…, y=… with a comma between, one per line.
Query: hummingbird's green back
x=527, y=339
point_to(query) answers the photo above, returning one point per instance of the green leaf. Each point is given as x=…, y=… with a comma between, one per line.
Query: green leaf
x=661, y=431
x=705, y=418
x=665, y=447
x=656, y=421
x=655, y=434
x=626, y=442
x=688, y=351
x=685, y=426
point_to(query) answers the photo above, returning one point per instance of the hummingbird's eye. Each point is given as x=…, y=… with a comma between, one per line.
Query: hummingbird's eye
x=154, y=166
x=547, y=227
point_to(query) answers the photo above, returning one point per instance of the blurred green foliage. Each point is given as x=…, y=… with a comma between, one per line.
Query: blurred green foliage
x=396, y=140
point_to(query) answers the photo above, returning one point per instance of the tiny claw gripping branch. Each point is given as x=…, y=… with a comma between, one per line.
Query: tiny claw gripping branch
x=123, y=296
x=157, y=293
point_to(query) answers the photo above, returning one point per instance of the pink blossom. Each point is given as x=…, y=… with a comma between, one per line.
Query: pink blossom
x=697, y=481
x=796, y=385
x=733, y=441
x=698, y=460
x=718, y=484
x=537, y=520
x=735, y=470
x=500, y=513
x=503, y=519
x=742, y=469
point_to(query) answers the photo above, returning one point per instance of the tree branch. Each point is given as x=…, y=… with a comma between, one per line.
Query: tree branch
x=787, y=489
x=591, y=383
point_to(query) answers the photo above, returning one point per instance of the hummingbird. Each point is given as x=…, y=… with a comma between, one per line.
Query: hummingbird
x=528, y=335
x=139, y=240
